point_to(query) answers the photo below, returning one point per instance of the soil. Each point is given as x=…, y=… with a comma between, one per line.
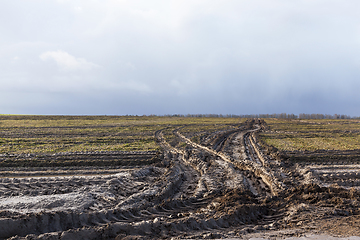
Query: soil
x=227, y=186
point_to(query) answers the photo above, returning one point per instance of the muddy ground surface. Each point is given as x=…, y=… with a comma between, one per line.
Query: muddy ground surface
x=226, y=186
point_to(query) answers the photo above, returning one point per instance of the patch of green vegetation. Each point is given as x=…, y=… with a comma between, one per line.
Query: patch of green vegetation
x=55, y=134
x=312, y=135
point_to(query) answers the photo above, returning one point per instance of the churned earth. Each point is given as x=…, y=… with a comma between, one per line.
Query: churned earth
x=227, y=185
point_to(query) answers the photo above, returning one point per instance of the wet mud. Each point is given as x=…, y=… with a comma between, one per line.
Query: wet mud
x=227, y=186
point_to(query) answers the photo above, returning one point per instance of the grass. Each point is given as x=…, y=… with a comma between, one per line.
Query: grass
x=312, y=135
x=55, y=134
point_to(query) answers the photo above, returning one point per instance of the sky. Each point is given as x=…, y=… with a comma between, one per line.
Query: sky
x=141, y=57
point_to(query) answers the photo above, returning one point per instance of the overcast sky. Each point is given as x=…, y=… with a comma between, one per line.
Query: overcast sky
x=179, y=56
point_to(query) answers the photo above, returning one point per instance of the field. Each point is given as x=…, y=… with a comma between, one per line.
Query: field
x=56, y=141
x=315, y=141
x=58, y=134
x=149, y=177
x=312, y=135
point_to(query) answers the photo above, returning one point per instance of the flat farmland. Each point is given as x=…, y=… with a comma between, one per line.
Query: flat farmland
x=55, y=134
x=149, y=177
x=312, y=135
x=45, y=141
x=315, y=141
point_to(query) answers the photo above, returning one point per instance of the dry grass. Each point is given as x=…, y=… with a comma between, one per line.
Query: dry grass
x=54, y=134
x=311, y=135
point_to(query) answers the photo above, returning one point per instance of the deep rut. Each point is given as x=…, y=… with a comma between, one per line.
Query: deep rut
x=198, y=189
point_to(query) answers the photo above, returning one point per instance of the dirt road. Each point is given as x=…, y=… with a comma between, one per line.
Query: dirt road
x=226, y=186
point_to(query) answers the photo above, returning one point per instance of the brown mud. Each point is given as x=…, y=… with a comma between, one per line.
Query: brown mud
x=227, y=186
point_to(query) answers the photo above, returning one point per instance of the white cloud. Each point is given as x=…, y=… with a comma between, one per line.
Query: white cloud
x=68, y=62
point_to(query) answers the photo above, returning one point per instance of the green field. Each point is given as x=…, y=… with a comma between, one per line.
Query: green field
x=55, y=134
x=312, y=135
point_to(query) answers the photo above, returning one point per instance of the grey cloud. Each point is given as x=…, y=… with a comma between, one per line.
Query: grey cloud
x=137, y=57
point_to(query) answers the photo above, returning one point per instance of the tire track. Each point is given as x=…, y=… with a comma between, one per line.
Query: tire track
x=244, y=164
x=191, y=193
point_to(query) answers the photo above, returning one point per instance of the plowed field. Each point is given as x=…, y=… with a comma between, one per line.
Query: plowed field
x=218, y=178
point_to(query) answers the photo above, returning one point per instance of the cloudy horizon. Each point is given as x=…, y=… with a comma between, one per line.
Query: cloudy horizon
x=118, y=57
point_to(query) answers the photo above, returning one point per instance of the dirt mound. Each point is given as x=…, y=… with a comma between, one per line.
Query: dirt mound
x=233, y=198
x=314, y=194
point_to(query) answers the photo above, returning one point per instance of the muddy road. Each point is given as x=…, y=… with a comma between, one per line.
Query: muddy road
x=226, y=186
